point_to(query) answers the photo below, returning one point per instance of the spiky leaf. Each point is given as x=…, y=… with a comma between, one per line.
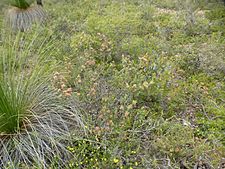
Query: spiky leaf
x=23, y=4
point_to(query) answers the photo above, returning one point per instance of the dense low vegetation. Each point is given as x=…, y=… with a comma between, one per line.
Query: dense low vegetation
x=115, y=84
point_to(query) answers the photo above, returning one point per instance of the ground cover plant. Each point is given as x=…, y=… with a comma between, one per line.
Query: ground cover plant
x=116, y=84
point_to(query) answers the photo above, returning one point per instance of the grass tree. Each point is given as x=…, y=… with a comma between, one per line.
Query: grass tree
x=35, y=122
x=21, y=14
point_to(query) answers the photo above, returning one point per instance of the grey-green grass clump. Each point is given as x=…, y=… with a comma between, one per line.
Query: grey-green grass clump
x=22, y=19
x=21, y=14
x=35, y=123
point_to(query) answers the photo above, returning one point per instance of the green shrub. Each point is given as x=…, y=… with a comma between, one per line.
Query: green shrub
x=178, y=143
x=150, y=81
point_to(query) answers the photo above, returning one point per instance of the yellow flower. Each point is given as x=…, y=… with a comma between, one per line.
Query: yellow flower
x=134, y=102
x=115, y=160
x=145, y=84
x=129, y=106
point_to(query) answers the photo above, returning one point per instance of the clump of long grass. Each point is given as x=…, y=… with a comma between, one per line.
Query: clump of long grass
x=21, y=14
x=35, y=122
x=22, y=19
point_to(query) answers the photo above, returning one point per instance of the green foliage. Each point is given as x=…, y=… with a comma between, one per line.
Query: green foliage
x=34, y=117
x=217, y=17
x=23, y=4
x=135, y=66
x=148, y=77
x=179, y=143
x=19, y=84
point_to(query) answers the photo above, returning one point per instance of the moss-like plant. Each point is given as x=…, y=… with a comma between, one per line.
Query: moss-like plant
x=35, y=122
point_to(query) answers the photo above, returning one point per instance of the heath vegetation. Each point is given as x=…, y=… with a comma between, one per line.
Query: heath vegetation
x=124, y=84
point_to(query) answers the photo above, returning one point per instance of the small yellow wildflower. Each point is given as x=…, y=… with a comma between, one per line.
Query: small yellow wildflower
x=134, y=102
x=70, y=164
x=116, y=160
x=145, y=84
x=129, y=106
